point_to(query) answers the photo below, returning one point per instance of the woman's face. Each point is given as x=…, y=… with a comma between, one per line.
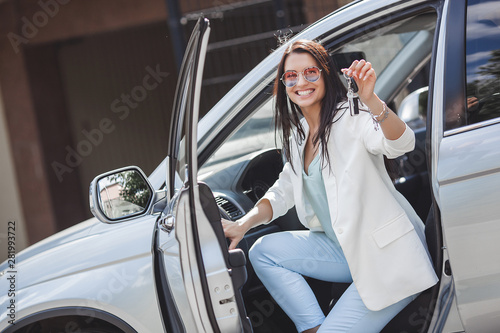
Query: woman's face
x=307, y=95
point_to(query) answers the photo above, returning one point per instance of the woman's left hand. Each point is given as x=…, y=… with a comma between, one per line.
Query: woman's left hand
x=364, y=75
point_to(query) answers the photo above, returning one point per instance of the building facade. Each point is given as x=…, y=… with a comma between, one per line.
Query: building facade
x=86, y=86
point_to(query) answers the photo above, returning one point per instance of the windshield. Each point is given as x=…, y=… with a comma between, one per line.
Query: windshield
x=253, y=135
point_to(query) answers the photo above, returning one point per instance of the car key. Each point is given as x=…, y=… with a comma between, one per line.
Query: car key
x=352, y=95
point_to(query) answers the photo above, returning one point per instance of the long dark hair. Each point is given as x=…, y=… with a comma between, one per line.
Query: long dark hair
x=287, y=114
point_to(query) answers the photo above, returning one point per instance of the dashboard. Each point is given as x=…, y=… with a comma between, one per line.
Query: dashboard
x=237, y=185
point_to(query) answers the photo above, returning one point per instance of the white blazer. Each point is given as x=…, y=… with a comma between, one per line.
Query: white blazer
x=381, y=235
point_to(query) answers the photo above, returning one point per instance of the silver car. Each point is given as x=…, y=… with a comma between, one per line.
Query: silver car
x=160, y=262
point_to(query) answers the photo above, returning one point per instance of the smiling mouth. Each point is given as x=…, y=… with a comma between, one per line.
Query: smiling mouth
x=305, y=92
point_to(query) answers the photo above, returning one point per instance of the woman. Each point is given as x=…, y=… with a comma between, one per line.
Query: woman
x=361, y=229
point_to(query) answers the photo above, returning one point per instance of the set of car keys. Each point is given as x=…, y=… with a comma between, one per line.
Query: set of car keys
x=352, y=95
x=353, y=100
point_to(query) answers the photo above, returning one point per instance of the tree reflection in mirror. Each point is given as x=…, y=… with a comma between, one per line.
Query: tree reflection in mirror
x=123, y=194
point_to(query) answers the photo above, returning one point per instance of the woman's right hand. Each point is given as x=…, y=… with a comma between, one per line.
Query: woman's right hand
x=234, y=231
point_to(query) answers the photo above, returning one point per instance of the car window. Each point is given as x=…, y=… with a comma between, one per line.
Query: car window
x=482, y=62
x=411, y=102
x=378, y=47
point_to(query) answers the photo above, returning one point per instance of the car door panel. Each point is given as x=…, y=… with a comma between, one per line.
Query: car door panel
x=211, y=300
x=468, y=176
x=466, y=184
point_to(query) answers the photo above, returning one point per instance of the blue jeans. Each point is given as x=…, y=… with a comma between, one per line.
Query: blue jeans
x=282, y=259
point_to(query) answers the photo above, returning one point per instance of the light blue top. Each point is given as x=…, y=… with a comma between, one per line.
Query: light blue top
x=315, y=193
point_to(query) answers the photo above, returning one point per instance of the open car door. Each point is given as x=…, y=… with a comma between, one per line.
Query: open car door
x=204, y=278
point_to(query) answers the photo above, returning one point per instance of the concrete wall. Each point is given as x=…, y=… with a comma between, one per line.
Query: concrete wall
x=316, y=9
x=30, y=34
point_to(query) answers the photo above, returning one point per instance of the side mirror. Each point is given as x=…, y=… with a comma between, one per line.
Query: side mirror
x=413, y=108
x=120, y=195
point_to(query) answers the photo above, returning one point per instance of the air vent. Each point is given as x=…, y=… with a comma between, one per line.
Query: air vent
x=231, y=210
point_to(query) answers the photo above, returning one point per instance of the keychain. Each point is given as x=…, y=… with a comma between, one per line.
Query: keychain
x=352, y=95
x=353, y=100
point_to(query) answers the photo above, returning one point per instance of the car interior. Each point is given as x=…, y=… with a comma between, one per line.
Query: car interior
x=237, y=173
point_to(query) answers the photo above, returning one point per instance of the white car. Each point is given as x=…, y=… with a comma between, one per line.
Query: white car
x=160, y=263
